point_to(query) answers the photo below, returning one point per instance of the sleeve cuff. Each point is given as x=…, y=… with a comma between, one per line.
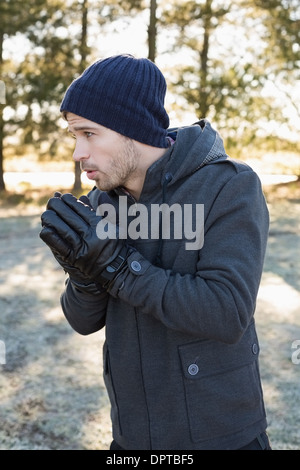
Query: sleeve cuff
x=136, y=265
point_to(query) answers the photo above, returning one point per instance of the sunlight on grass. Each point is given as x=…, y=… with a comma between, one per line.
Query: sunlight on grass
x=40, y=179
x=275, y=291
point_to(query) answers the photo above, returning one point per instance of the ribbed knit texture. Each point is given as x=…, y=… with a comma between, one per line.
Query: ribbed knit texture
x=124, y=94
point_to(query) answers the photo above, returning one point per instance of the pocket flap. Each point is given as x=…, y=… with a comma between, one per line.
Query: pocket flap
x=204, y=358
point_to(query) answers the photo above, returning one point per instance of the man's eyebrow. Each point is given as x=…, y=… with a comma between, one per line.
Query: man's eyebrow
x=82, y=128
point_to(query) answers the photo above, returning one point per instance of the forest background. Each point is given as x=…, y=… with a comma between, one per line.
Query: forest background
x=234, y=62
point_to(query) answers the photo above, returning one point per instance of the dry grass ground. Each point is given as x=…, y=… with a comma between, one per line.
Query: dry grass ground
x=52, y=394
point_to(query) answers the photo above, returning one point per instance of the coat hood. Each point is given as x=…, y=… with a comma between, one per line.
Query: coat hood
x=195, y=146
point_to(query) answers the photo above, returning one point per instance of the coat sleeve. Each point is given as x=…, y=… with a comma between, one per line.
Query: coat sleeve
x=85, y=312
x=217, y=301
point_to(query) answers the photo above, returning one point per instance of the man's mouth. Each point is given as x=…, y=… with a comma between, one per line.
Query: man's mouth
x=91, y=173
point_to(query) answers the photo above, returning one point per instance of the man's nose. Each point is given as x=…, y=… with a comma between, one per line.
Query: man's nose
x=80, y=152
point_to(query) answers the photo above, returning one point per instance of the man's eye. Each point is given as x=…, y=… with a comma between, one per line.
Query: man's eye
x=88, y=134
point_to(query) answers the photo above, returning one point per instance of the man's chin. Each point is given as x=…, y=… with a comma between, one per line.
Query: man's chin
x=102, y=186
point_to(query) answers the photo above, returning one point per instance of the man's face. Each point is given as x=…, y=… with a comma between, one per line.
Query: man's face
x=108, y=158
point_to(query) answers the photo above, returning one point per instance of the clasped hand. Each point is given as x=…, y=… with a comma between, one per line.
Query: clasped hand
x=69, y=229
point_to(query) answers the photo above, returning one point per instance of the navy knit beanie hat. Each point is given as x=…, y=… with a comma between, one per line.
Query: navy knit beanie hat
x=124, y=94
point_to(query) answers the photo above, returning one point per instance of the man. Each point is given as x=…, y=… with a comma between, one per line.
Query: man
x=166, y=253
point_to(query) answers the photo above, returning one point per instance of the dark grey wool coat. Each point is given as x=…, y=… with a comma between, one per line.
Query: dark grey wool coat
x=181, y=350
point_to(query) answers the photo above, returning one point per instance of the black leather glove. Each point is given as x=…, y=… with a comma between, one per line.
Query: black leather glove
x=70, y=230
x=79, y=280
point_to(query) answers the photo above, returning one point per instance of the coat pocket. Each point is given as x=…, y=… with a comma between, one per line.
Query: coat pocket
x=222, y=386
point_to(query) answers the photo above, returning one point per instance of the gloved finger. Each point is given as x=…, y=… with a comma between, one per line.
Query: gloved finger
x=55, y=243
x=56, y=203
x=84, y=211
x=86, y=201
x=56, y=195
x=53, y=221
x=70, y=216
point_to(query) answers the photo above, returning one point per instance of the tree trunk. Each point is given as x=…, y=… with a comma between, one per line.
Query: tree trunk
x=203, y=93
x=2, y=102
x=2, y=184
x=83, y=53
x=77, y=180
x=152, y=31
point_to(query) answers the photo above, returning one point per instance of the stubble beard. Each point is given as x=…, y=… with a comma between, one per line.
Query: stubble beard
x=123, y=167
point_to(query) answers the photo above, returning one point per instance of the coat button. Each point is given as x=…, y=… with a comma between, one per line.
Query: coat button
x=254, y=348
x=135, y=266
x=193, y=369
